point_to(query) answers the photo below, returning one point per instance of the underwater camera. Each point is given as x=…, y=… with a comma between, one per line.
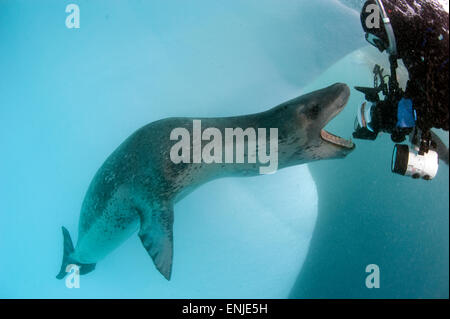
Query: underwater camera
x=380, y=115
x=376, y=114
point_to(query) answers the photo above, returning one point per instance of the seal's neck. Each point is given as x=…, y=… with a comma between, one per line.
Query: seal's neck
x=248, y=145
x=239, y=146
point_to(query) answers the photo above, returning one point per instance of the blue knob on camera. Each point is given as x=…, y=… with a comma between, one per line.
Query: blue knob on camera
x=406, y=115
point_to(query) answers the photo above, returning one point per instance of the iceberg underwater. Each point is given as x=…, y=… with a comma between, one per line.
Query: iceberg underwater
x=69, y=97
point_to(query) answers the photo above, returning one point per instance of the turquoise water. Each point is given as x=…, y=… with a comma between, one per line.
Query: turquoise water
x=69, y=97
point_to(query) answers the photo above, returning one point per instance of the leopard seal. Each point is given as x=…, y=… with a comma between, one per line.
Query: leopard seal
x=138, y=184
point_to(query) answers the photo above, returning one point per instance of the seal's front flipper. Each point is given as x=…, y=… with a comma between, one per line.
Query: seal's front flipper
x=157, y=237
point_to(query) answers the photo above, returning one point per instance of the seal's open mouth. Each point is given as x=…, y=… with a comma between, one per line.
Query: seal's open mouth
x=334, y=139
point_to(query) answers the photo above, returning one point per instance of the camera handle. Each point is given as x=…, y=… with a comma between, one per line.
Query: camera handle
x=393, y=83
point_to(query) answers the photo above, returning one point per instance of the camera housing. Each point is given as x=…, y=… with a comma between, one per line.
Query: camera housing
x=381, y=114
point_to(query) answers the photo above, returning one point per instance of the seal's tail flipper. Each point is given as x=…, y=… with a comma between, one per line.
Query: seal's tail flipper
x=67, y=260
x=157, y=237
x=68, y=249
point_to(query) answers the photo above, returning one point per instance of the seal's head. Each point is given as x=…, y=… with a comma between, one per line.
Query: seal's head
x=301, y=123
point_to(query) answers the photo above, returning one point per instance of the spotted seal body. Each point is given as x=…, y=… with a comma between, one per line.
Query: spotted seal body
x=138, y=184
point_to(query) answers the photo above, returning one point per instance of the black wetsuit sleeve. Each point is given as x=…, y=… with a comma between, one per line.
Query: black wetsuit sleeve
x=423, y=45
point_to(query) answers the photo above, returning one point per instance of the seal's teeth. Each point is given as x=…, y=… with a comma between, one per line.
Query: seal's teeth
x=337, y=140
